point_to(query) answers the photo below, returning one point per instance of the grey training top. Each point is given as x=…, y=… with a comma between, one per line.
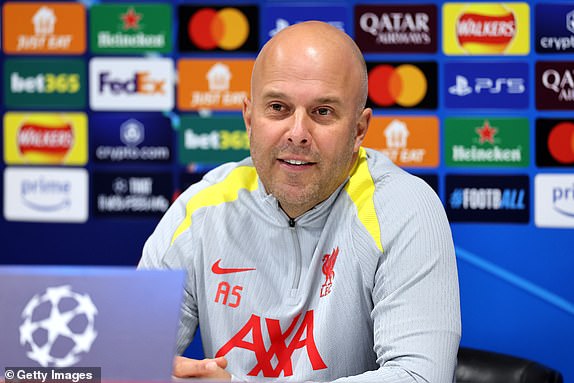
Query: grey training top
x=363, y=287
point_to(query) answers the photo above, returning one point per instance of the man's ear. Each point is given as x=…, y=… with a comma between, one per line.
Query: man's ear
x=362, y=127
x=247, y=115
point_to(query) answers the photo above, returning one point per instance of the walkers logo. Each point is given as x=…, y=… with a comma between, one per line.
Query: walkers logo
x=486, y=28
x=250, y=337
x=277, y=17
x=402, y=85
x=486, y=85
x=139, y=137
x=45, y=195
x=555, y=85
x=131, y=195
x=131, y=84
x=487, y=142
x=45, y=83
x=407, y=141
x=218, y=28
x=488, y=198
x=213, y=84
x=45, y=138
x=44, y=28
x=134, y=28
x=554, y=200
x=555, y=28
x=396, y=28
x=212, y=140
x=555, y=142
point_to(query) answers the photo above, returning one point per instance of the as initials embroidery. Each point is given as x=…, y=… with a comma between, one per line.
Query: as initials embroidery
x=278, y=350
x=328, y=266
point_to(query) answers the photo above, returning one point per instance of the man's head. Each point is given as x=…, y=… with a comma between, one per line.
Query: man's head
x=306, y=117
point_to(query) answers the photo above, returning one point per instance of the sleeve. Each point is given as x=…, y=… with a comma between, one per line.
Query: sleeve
x=159, y=253
x=416, y=313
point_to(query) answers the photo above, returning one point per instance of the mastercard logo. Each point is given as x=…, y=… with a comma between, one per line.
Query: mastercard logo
x=561, y=142
x=226, y=29
x=405, y=85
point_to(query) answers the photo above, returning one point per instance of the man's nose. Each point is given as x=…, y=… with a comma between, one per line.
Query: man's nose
x=300, y=129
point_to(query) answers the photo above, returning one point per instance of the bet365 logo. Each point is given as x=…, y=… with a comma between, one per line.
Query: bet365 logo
x=52, y=83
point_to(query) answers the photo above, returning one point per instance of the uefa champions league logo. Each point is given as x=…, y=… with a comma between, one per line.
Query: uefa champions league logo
x=58, y=327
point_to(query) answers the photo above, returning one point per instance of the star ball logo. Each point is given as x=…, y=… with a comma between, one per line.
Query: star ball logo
x=218, y=28
x=402, y=85
x=555, y=142
x=66, y=319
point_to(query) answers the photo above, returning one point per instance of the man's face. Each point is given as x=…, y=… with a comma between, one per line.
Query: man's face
x=304, y=126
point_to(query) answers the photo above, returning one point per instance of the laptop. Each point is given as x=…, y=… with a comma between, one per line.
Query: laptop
x=118, y=318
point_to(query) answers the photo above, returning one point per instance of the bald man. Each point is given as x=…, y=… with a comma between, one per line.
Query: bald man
x=314, y=259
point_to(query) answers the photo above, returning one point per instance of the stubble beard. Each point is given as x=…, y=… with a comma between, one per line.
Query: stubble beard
x=298, y=192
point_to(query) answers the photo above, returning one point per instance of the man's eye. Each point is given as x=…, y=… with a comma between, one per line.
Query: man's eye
x=323, y=111
x=277, y=107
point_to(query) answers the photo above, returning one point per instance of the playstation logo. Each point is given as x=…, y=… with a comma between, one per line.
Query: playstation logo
x=461, y=87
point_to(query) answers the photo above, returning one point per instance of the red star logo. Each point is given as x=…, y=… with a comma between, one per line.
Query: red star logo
x=486, y=133
x=131, y=19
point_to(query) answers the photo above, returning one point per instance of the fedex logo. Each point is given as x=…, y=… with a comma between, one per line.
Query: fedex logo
x=486, y=85
x=131, y=84
x=141, y=83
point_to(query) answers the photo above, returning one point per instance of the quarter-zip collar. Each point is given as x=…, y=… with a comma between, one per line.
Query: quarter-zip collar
x=315, y=217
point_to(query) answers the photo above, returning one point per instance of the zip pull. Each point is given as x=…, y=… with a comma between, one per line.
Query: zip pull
x=291, y=222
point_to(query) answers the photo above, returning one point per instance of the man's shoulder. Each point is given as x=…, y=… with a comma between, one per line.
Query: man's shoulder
x=224, y=179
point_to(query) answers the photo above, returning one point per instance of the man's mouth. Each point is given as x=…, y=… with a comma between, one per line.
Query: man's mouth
x=296, y=162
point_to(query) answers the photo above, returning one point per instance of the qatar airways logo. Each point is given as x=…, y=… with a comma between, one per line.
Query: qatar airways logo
x=396, y=28
x=555, y=86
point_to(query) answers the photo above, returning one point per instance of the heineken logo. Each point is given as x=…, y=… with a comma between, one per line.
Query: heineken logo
x=130, y=29
x=487, y=142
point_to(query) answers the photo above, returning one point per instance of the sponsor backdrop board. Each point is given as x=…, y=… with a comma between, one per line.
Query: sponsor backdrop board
x=111, y=109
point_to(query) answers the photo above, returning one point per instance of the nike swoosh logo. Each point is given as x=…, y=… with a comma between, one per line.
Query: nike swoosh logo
x=227, y=270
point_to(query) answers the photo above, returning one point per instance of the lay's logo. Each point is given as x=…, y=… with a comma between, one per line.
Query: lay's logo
x=45, y=138
x=486, y=28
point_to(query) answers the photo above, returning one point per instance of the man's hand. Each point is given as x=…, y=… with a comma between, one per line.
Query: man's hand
x=206, y=368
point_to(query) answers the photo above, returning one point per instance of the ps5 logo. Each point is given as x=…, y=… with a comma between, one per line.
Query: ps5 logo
x=486, y=85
